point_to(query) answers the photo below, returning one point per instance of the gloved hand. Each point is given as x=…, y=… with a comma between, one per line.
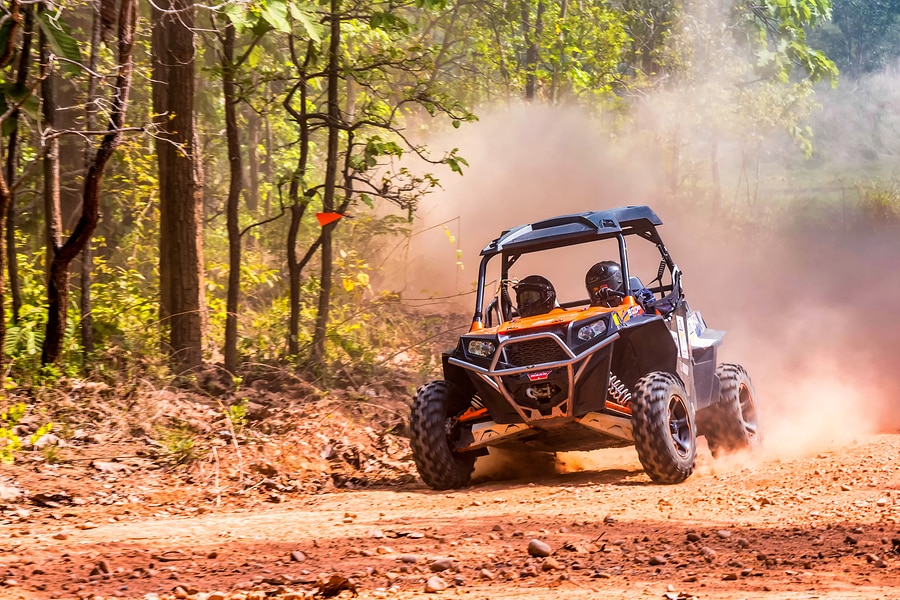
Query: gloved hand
x=644, y=297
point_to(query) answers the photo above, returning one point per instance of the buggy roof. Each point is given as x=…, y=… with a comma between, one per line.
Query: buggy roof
x=576, y=228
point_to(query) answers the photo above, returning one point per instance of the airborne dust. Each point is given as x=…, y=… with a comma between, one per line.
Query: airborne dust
x=808, y=292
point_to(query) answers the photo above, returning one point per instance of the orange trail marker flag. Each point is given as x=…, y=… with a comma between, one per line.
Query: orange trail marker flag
x=326, y=218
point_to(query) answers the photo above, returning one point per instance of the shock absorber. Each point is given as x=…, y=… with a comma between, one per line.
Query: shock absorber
x=618, y=393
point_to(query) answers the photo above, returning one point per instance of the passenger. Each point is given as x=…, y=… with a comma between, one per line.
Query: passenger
x=534, y=296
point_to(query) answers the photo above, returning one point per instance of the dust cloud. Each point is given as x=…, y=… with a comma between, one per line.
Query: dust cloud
x=808, y=297
x=505, y=465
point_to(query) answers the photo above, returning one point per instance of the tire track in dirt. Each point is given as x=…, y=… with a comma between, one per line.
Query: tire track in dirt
x=817, y=526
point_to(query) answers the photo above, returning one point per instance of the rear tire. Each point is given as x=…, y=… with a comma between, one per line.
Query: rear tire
x=432, y=425
x=665, y=437
x=732, y=424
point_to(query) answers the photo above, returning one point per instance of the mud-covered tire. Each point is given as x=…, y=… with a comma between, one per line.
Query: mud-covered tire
x=732, y=423
x=431, y=427
x=662, y=419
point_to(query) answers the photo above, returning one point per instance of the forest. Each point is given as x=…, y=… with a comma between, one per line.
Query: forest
x=196, y=192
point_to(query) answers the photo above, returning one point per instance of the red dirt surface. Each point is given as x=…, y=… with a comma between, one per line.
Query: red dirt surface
x=820, y=525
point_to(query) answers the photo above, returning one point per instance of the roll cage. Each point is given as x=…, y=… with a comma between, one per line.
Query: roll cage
x=569, y=230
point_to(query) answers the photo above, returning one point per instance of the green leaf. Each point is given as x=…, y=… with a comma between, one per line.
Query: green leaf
x=19, y=94
x=31, y=107
x=275, y=13
x=455, y=123
x=239, y=16
x=11, y=341
x=307, y=18
x=255, y=55
x=59, y=36
x=367, y=200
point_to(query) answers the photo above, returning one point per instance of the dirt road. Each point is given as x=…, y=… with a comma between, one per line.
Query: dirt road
x=819, y=526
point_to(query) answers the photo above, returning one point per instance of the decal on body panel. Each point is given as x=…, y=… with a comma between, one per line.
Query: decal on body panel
x=682, y=338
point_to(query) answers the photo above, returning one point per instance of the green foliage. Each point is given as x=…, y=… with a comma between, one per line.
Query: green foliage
x=262, y=15
x=59, y=36
x=864, y=35
x=401, y=63
x=22, y=345
x=580, y=52
x=10, y=443
x=777, y=32
x=25, y=339
x=237, y=414
x=179, y=444
x=879, y=202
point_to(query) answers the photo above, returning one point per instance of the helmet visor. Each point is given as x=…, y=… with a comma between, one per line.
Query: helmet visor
x=529, y=297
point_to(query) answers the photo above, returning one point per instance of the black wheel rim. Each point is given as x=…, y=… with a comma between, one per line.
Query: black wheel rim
x=748, y=411
x=680, y=426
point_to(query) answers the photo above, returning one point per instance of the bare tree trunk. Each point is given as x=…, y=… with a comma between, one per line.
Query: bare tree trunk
x=6, y=55
x=758, y=159
x=294, y=280
x=234, y=199
x=12, y=162
x=58, y=286
x=554, y=84
x=716, y=179
x=298, y=198
x=52, y=216
x=12, y=255
x=267, y=168
x=532, y=53
x=252, y=192
x=331, y=169
x=87, y=255
x=4, y=206
x=182, y=301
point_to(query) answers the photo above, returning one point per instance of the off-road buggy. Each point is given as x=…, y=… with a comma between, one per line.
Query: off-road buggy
x=583, y=377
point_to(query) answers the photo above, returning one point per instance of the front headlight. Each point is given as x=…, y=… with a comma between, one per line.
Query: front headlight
x=483, y=348
x=589, y=332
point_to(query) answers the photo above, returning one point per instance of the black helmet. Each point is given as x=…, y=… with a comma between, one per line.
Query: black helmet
x=534, y=295
x=606, y=274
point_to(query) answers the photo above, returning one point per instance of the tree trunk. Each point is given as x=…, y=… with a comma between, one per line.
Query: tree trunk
x=331, y=169
x=87, y=255
x=297, y=195
x=561, y=48
x=4, y=206
x=268, y=170
x=52, y=216
x=182, y=300
x=252, y=193
x=532, y=54
x=58, y=286
x=716, y=179
x=12, y=163
x=234, y=199
x=294, y=280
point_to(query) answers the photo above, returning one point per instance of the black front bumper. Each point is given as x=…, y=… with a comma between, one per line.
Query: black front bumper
x=569, y=385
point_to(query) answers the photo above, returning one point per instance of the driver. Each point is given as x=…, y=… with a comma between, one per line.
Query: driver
x=604, y=284
x=534, y=296
x=606, y=287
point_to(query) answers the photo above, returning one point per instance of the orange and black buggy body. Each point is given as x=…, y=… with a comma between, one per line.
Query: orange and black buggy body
x=583, y=375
